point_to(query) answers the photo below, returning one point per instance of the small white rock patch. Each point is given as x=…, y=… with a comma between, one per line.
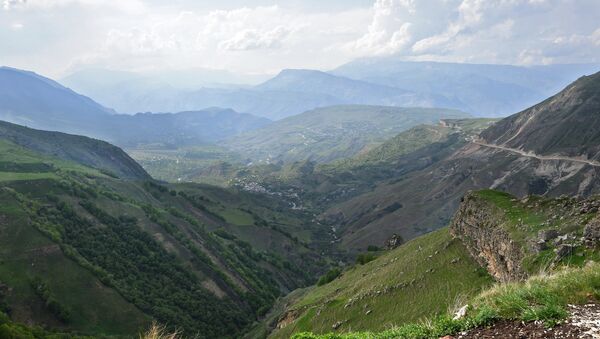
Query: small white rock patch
x=586, y=317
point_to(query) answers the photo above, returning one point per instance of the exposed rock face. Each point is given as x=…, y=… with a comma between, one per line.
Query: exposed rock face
x=394, y=241
x=288, y=318
x=591, y=233
x=478, y=225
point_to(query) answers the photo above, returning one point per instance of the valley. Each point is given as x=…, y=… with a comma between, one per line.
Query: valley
x=352, y=220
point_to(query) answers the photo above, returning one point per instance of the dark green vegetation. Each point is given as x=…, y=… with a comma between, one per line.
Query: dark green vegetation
x=214, y=261
x=87, y=252
x=331, y=133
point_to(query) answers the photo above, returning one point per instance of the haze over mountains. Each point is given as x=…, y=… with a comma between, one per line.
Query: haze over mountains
x=300, y=195
x=482, y=90
x=32, y=100
x=299, y=169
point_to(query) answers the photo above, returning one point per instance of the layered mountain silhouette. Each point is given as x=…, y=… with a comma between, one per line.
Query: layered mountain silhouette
x=481, y=90
x=34, y=101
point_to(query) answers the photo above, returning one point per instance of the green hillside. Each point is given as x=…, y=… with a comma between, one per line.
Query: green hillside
x=331, y=133
x=207, y=164
x=101, y=155
x=86, y=252
x=542, y=252
x=420, y=279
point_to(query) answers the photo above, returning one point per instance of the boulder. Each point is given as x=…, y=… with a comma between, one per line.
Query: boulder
x=547, y=235
x=394, y=241
x=591, y=233
x=564, y=250
x=538, y=246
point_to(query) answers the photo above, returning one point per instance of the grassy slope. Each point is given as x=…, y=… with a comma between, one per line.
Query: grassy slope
x=19, y=163
x=321, y=186
x=544, y=296
x=74, y=148
x=541, y=298
x=28, y=254
x=331, y=133
x=410, y=141
x=414, y=281
x=206, y=164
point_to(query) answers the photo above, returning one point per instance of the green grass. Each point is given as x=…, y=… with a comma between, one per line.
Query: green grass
x=12, y=176
x=540, y=298
x=203, y=164
x=420, y=279
x=20, y=157
x=236, y=217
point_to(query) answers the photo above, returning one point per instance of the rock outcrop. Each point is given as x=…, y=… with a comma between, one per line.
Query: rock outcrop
x=478, y=224
x=591, y=233
x=394, y=241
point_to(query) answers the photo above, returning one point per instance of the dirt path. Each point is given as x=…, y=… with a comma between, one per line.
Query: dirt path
x=539, y=157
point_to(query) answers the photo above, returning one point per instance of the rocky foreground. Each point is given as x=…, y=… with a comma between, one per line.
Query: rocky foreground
x=583, y=322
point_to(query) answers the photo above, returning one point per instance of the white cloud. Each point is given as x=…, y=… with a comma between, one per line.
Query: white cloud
x=10, y=4
x=249, y=39
x=58, y=35
x=505, y=31
x=17, y=26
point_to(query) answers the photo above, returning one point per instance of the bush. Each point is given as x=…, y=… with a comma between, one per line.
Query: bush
x=329, y=276
x=364, y=258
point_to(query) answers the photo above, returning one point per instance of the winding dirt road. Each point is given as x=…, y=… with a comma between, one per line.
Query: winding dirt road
x=536, y=156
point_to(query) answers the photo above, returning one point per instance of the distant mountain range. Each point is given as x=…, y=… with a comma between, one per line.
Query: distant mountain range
x=34, y=101
x=482, y=90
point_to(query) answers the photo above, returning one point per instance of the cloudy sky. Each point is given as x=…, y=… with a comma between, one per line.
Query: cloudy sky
x=56, y=37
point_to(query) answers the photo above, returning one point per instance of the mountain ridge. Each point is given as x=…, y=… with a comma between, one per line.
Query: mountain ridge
x=86, y=151
x=38, y=102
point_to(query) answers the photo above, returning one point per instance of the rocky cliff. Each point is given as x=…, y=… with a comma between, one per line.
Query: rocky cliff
x=513, y=238
x=479, y=224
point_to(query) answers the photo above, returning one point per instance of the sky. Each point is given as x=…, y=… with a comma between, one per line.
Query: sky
x=57, y=37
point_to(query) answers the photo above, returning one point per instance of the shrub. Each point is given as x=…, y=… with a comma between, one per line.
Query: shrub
x=329, y=276
x=364, y=258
